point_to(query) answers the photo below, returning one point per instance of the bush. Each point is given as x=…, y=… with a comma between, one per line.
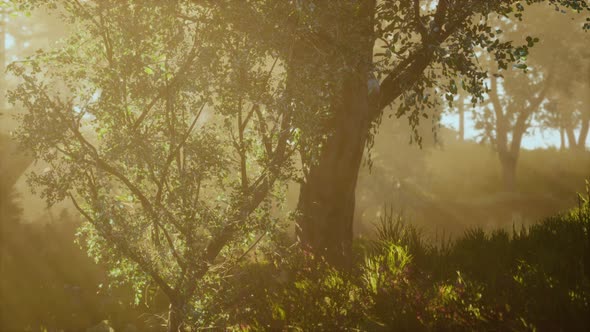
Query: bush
x=532, y=279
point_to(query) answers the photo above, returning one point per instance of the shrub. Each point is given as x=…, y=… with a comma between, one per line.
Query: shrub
x=534, y=279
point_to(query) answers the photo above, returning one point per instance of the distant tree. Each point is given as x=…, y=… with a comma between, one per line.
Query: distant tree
x=460, y=107
x=565, y=113
x=581, y=117
x=544, y=96
x=564, y=50
x=461, y=111
x=510, y=117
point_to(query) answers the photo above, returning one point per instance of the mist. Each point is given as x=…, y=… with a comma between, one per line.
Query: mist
x=374, y=166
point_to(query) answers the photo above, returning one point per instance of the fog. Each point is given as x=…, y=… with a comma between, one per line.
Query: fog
x=513, y=156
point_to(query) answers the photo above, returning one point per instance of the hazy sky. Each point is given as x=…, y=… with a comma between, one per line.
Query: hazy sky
x=536, y=139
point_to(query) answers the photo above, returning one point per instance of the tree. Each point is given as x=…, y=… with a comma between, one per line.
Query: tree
x=429, y=48
x=461, y=111
x=578, y=143
x=564, y=112
x=567, y=111
x=509, y=121
x=169, y=133
x=563, y=50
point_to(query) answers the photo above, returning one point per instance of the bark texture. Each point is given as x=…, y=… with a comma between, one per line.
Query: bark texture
x=327, y=197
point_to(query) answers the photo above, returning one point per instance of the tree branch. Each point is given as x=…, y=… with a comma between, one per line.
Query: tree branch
x=143, y=265
x=179, y=74
x=408, y=72
x=418, y=21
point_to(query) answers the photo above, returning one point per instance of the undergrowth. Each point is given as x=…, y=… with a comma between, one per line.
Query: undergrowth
x=531, y=279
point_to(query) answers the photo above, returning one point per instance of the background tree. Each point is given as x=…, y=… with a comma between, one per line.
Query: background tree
x=511, y=117
x=563, y=51
x=517, y=100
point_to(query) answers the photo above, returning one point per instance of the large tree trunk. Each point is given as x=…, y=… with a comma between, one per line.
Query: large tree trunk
x=327, y=197
x=327, y=194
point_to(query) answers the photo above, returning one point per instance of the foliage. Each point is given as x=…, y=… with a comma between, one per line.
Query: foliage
x=153, y=123
x=534, y=279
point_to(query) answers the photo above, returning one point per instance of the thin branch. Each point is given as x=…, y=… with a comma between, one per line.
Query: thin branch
x=262, y=130
x=252, y=246
x=162, y=91
x=255, y=105
x=100, y=163
x=418, y=21
x=408, y=71
x=441, y=11
x=145, y=266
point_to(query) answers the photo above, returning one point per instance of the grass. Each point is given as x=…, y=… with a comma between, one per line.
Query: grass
x=533, y=278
